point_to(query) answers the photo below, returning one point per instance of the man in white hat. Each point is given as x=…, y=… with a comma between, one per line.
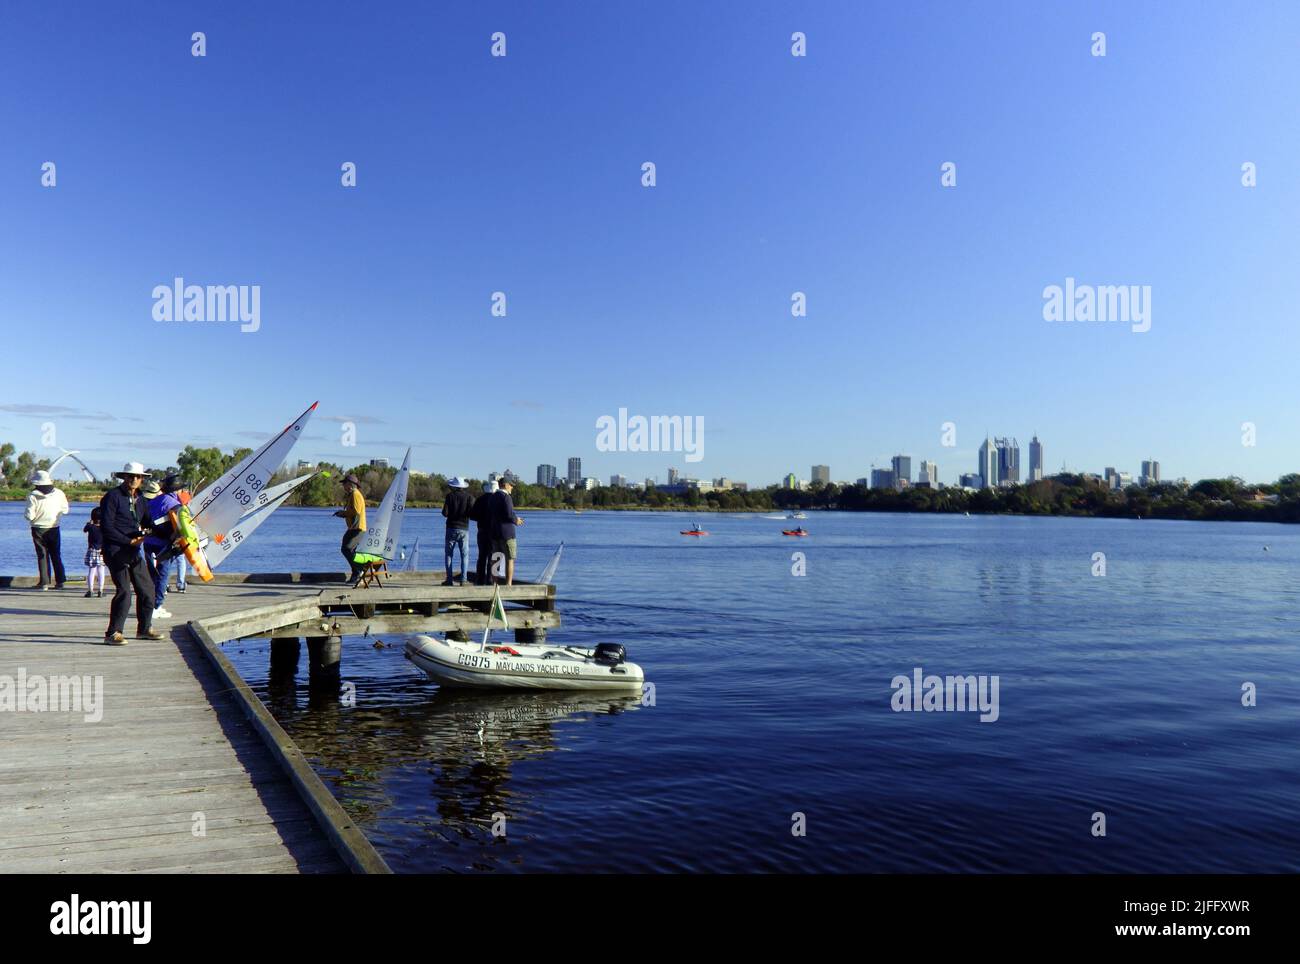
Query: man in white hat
x=456, y=509
x=125, y=519
x=45, y=506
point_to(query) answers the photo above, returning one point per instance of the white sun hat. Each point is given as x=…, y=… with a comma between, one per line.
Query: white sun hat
x=42, y=477
x=131, y=468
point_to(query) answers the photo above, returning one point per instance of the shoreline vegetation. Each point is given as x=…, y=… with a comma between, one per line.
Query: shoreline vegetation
x=1067, y=494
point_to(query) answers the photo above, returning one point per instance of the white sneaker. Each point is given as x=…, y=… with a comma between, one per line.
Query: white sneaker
x=161, y=614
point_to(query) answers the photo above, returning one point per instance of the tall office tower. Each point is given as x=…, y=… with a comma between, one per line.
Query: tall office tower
x=546, y=476
x=1008, y=460
x=902, y=465
x=791, y=481
x=971, y=481
x=575, y=471
x=988, y=464
x=1150, y=473
x=882, y=479
x=1035, y=460
x=673, y=476
x=821, y=473
x=1112, y=477
x=928, y=473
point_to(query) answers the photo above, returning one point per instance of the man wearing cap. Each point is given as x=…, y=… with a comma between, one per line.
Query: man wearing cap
x=125, y=519
x=45, y=506
x=456, y=508
x=355, y=516
x=156, y=543
x=502, y=518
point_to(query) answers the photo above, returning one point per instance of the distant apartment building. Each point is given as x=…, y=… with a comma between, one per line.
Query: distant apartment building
x=673, y=476
x=1116, y=479
x=928, y=474
x=1150, y=473
x=882, y=479
x=304, y=464
x=865, y=483
x=575, y=471
x=821, y=473
x=722, y=484
x=587, y=484
x=379, y=463
x=1008, y=461
x=791, y=481
x=971, y=481
x=509, y=476
x=546, y=476
x=988, y=464
x=1035, y=460
x=902, y=466
x=618, y=481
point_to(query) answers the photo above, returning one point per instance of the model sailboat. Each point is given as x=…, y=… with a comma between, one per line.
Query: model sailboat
x=220, y=508
x=379, y=544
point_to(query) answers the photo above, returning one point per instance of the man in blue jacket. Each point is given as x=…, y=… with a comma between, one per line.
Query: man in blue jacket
x=161, y=500
x=124, y=518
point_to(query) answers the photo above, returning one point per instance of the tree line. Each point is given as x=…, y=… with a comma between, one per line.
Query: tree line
x=1067, y=494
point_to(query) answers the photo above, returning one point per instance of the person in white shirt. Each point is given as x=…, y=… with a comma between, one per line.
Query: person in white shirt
x=45, y=506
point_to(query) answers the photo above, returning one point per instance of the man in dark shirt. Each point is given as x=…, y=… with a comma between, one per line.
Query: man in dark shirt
x=501, y=513
x=483, y=530
x=124, y=519
x=456, y=509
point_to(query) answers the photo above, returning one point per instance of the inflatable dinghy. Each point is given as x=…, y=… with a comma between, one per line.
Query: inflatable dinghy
x=470, y=665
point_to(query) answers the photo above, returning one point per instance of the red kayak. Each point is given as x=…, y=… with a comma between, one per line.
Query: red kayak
x=694, y=532
x=794, y=532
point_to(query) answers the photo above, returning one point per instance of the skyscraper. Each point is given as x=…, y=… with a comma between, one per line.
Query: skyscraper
x=1008, y=460
x=673, y=476
x=1150, y=473
x=902, y=465
x=1035, y=460
x=988, y=464
x=575, y=470
x=882, y=479
x=821, y=473
x=928, y=474
x=546, y=476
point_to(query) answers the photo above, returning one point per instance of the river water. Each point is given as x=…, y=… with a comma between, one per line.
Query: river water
x=1118, y=694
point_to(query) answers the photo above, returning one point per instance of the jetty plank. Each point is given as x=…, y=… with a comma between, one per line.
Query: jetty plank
x=121, y=794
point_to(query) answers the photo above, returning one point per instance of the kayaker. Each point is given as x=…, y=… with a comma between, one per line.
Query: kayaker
x=456, y=509
x=355, y=516
x=501, y=512
x=45, y=506
x=480, y=514
x=125, y=519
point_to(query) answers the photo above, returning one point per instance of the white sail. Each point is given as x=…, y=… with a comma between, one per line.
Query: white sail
x=548, y=574
x=235, y=492
x=205, y=495
x=386, y=524
x=269, y=495
x=218, y=552
x=413, y=557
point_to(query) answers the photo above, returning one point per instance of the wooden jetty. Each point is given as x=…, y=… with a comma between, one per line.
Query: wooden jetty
x=186, y=771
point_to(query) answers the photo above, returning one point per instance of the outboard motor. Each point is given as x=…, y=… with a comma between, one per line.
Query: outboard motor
x=610, y=654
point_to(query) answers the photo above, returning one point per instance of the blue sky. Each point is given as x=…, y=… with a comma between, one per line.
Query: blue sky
x=776, y=174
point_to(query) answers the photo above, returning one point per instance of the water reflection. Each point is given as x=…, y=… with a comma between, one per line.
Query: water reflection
x=437, y=762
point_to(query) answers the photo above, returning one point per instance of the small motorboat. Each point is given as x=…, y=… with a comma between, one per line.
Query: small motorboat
x=797, y=515
x=800, y=531
x=472, y=665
